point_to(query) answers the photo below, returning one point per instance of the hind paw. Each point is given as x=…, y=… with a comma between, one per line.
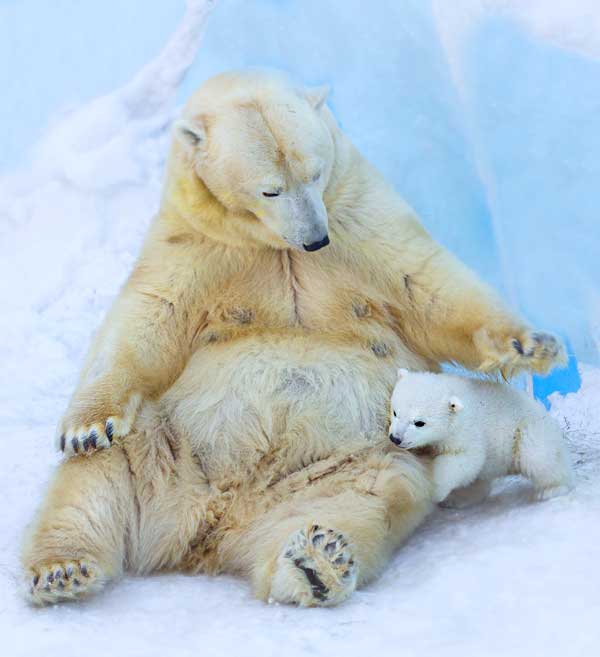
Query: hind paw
x=316, y=568
x=59, y=581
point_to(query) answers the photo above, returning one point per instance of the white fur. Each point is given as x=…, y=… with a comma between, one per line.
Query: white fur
x=478, y=430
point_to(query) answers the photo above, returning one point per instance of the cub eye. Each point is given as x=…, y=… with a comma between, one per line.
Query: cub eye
x=394, y=413
x=316, y=176
x=419, y=423
x=271, y=194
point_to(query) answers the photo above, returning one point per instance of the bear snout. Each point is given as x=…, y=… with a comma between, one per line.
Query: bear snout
x=315, y=246
x=395, y=439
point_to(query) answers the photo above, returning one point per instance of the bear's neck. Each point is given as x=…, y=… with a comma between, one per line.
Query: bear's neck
x=351, y=178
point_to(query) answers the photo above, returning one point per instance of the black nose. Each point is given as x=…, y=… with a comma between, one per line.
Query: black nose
x=315, y=246
x=396, y=441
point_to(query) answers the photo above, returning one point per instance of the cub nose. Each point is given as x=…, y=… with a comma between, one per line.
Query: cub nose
x=396, y=441
x=315, y=246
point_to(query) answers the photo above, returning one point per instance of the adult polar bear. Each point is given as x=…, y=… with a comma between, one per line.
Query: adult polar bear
x=247, y=372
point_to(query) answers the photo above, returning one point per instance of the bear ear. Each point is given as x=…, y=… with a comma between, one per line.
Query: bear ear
x=189, y=132
x=317, y=96
x=455, y=405
x=402, y=372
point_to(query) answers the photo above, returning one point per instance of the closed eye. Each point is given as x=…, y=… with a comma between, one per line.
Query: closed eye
x=272, y=194
x=419, y=423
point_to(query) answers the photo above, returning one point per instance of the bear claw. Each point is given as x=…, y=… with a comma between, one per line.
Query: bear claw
x=84, y=433
x=531, y=351
x=518, y=346
x=86, y=440
x=55, y=582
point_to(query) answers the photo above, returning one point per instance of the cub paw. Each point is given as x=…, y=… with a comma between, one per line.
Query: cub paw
x=84, y=432
x=541, y=494
x=531, y=351
x=316, y=568
x=463, y=498
x=63, y=580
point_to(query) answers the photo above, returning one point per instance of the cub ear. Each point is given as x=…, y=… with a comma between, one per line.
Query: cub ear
x=455, y=405
x=317, y=96
x=402, y=372
x=189, y=132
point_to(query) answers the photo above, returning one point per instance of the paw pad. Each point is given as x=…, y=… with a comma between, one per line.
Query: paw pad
x=324, y=565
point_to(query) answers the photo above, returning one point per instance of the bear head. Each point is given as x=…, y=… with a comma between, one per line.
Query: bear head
x=423, y=410
x=263, y=149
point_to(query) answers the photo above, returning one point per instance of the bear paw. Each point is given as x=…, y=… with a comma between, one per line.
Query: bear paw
x=316, y=568
x=531, y=351
x=84, y=432
x=59, y=581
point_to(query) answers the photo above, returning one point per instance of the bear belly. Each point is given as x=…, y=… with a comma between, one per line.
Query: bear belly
x=294, y=398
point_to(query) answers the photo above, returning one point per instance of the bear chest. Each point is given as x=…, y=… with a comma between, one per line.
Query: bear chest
x=291, y=292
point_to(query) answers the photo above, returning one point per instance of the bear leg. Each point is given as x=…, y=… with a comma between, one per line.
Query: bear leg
x=322, y=541
x=315, y=567
x=77, y=542
x=540, y=454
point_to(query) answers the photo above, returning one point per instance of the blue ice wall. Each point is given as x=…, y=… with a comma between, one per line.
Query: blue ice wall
x=538, y=115
x=55, y=54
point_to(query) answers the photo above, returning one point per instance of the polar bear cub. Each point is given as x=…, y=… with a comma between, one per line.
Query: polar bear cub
x=477, y=431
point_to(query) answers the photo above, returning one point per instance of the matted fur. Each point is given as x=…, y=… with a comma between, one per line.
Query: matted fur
x=244, y=381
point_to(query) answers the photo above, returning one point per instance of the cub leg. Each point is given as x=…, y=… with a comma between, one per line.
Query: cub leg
x=456, y=470
x=323, y=541
x=77, y=542
x=540, y=454
x=467, y=496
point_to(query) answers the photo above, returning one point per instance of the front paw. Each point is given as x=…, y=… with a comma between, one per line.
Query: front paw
x=466, y=496
x=93, y=426
x=441, y=492
x=532, y=351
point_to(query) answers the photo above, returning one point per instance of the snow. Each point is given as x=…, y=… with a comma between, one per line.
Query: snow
x=54, y=57
x=507, y=578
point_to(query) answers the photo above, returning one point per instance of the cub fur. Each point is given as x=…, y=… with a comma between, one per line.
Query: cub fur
x=478, y=430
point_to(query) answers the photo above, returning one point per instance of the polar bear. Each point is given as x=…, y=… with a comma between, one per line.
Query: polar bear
x=231, y=414
x=478, y=430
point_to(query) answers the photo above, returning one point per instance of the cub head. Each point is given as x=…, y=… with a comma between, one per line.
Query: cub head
x=423, y=411
x=263, y=150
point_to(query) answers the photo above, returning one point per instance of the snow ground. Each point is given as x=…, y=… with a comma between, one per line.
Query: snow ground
x=507, y=578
